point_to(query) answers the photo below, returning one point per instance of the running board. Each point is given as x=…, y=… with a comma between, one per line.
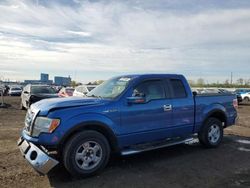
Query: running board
x=154, y=146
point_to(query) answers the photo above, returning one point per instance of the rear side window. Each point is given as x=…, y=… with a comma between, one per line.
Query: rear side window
x=179, y=90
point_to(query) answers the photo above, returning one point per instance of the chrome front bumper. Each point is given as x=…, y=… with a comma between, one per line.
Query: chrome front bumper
x=38, y=159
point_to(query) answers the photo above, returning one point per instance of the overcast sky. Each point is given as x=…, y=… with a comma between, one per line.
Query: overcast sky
x=91, y=40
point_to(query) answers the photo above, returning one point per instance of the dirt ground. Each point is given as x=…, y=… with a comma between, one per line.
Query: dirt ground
x=187, y=165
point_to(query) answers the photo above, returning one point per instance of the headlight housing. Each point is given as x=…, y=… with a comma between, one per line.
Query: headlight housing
x=45, y=125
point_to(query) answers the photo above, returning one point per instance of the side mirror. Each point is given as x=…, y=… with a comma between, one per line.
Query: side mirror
x=136, y=100
x=26, y=92
x=195, y=93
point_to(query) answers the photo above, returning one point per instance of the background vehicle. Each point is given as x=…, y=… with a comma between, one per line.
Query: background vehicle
x=239, y=93
x=211, y=91
x=239, y=98
x=34, y=93
x=126, y=114
x=224, y=91
x=57, y=88
x=15, y=91
x=66, y=92
x=4, y=89
x=82, y=90
x=245, y=97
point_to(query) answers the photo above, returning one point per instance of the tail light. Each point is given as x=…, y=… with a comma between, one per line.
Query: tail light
x=235, y=103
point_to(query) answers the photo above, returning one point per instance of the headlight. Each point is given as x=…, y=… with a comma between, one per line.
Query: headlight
x=45, y=125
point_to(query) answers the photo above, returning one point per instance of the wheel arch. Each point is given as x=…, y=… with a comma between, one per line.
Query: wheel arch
x=246, y=97
x=95, y=126
x=218, y=114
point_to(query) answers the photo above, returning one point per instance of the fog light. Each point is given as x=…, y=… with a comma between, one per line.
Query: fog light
x=33, y=155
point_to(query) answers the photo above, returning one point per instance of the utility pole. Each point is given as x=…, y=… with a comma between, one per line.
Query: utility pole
x=231, y=78
x=2, y=105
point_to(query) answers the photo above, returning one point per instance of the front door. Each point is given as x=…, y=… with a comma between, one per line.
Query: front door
x=150, y=120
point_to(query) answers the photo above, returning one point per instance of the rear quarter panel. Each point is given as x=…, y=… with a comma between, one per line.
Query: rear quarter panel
x=205, y=105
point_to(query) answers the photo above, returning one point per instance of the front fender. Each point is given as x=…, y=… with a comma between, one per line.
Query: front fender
x=57, y=137
x=90, y=118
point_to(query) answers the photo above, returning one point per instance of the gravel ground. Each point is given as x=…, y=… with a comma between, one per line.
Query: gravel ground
x=187, y=165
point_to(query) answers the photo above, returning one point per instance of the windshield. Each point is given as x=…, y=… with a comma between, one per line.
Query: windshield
x=42, y=89
x=111, y=88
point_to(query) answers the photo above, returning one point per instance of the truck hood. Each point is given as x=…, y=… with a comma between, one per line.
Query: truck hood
x=44, y=106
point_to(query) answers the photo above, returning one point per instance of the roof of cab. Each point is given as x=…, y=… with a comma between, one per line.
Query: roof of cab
x=151, y=75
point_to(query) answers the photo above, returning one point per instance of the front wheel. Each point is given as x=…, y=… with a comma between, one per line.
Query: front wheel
x=211, y=133
x=86, y=153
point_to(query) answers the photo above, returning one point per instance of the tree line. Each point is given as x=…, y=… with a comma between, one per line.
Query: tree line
x=240, y=83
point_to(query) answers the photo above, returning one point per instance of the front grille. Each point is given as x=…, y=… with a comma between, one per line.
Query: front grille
x=28, y=121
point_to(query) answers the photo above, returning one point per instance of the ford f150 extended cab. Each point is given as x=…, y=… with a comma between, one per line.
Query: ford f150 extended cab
x=126, y=114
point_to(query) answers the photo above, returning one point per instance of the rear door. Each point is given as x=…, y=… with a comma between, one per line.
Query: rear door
x=182, y=108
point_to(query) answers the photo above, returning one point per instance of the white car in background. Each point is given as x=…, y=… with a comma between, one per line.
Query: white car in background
x=15, y=91
x=82, y=90
x=245, y=97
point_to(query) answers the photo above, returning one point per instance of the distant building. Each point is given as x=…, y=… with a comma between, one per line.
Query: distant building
x=44, y=77
x=32, y=81
x=62, y=81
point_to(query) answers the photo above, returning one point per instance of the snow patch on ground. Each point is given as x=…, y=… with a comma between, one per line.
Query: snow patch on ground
x=244, y=149
x=244, y=141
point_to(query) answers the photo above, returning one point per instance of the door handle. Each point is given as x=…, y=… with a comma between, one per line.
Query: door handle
x=167, y=107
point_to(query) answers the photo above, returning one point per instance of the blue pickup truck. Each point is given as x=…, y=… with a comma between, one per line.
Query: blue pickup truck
x=126, y=115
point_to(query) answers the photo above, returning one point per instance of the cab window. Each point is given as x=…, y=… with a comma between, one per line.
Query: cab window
x=178, y=88
x=151, y=90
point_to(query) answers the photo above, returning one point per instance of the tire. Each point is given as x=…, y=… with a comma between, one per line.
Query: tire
x=246, y=99
x=211, y=133
x=86, y=154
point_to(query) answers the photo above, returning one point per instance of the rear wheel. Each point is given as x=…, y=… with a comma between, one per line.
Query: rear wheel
x=86, y=153
x=211, y=134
